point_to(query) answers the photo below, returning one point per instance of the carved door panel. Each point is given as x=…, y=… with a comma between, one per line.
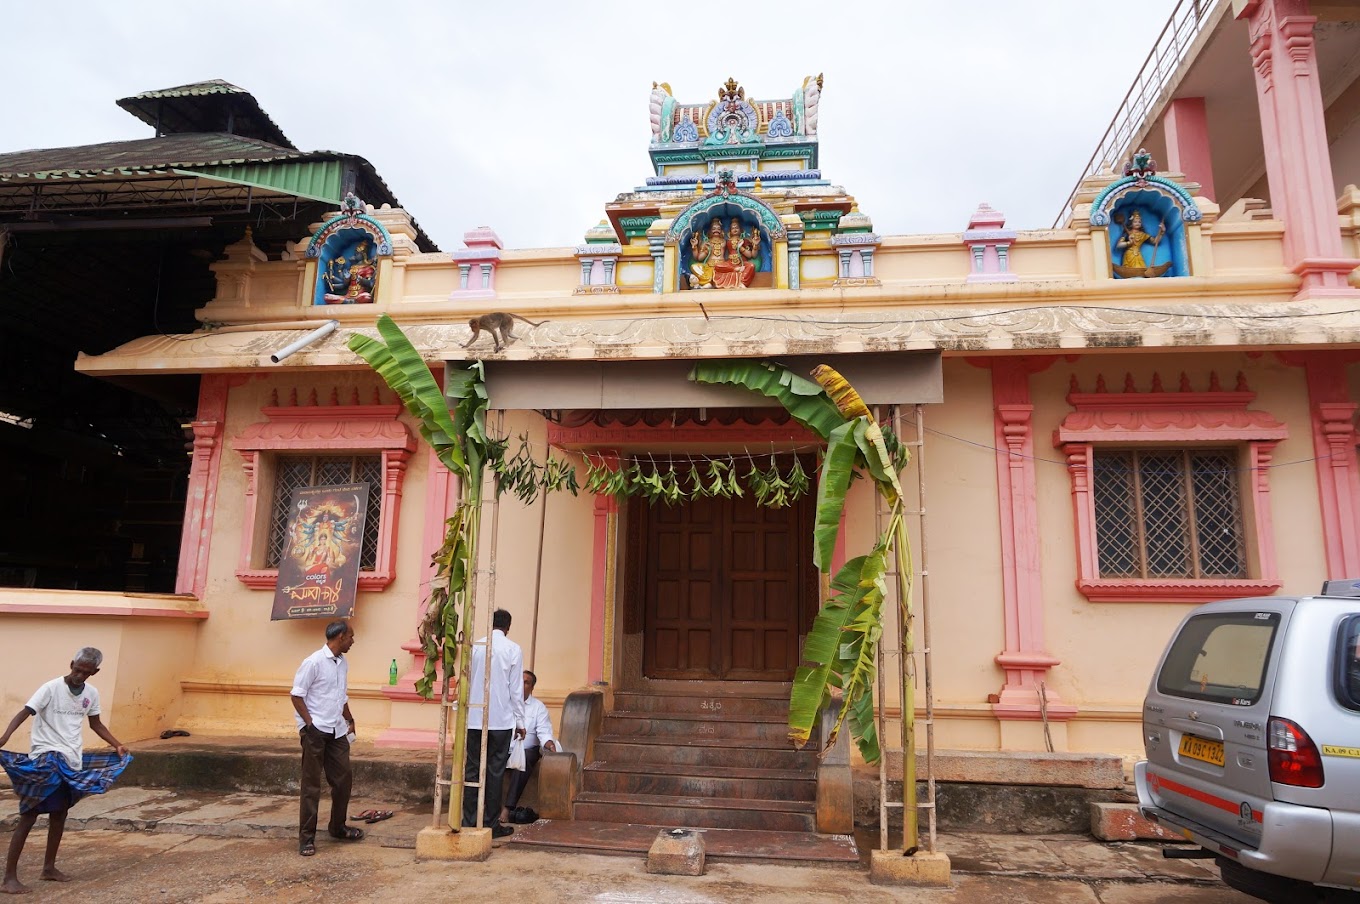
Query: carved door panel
x=727, y=588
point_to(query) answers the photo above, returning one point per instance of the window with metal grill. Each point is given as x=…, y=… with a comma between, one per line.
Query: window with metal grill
x=292, y=472
x=1168, y=513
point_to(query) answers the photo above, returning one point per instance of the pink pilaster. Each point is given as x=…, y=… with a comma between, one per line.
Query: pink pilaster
x=1024, y=660
x=606, y=506
x=1187, y=142
x=441, y=498
x=1334, y=438
x=1294, y=136
x=201, y=503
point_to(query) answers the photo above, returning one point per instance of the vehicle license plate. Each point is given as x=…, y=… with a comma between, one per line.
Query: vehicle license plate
x=1202, y=750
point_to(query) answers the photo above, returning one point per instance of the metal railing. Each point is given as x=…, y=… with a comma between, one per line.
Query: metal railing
x=1187, y=21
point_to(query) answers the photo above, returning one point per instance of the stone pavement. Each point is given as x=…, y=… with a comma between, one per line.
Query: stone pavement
x=150, y=844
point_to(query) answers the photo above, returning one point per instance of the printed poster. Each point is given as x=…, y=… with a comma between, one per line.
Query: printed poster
x=319, y=570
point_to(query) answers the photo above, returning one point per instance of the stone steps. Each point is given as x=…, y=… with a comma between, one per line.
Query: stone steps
x=681, y=780
x=700, y=755
x=696, y=812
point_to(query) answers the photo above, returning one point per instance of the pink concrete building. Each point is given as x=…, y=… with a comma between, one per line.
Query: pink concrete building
x=1149, y=405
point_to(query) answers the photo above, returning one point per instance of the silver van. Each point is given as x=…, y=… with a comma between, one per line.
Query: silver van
x=1252, y=732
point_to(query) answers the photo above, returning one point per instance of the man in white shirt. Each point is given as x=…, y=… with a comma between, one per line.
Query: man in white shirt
x=57, y=772
x=538, y=737
x=321, y=700
x=504, y=719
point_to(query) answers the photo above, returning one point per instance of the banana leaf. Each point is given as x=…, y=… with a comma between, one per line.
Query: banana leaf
x=837, y=467
x=840, y=651
x=803, y=399
x=399, y=364
x=878, y=460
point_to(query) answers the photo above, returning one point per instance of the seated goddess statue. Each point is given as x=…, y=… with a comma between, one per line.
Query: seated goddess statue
x=351, y=281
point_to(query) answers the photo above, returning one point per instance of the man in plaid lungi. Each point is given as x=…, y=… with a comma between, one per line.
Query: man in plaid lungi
x=57, y=772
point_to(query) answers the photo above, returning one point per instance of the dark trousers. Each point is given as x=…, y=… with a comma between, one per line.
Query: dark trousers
x=497, y=755
x=519, y=779
x=323, y=753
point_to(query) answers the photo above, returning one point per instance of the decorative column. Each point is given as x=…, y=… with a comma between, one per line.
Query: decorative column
x=598, y=257
x=657, y=245
x=1024, y=660
x=795, y=239
x=201, y=504
x=1294, y=137
x=477, y=264
x=855, y=242
x=602, y=576
x=413, y=726
x=1187, y=143
x=989, y=246
x=1334, y=439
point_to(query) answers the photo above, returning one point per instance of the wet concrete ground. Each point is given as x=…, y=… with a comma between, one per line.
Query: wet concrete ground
x=150, y=845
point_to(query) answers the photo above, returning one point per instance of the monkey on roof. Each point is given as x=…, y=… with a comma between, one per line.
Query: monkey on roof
x=498, y=324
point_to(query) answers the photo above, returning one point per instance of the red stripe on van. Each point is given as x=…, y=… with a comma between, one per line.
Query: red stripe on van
x=1203, y=797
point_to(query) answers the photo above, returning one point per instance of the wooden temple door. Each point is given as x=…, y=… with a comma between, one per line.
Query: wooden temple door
x=728, y=588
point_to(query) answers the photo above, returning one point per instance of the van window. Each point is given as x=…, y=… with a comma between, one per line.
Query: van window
x=1220, y=657
x=1348, y=663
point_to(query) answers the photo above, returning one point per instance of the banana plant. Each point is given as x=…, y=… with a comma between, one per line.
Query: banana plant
x=459, y=439
x=840, y=651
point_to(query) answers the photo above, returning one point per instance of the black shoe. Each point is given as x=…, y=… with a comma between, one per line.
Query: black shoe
x=502, y=831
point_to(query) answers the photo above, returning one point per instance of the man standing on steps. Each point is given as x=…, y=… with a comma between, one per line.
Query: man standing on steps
x=321, y=698
x=504, y=709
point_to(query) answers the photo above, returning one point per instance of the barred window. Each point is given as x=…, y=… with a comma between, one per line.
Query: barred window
x=292, y=472
x=1168, y=513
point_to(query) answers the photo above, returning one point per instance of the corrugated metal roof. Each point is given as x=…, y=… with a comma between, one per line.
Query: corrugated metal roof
x=142, y=154
x=317, y=175
x=211, y=106
x=211, y=86
x=320, y=180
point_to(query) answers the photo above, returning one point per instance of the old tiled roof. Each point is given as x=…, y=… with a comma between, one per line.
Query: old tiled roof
x=143, y=155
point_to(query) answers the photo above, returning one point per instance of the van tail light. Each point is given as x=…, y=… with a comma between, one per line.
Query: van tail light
x=1294, y=758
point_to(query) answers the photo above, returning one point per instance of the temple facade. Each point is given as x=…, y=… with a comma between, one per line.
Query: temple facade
x=1149, y=406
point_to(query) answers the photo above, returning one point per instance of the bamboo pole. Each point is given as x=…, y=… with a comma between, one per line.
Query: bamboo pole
x=464, y=659
x=538, y=576
x=902, y=554
x=925, y=623
x=490, y=627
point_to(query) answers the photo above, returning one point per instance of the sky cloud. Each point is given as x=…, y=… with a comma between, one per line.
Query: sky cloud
x=530, y=116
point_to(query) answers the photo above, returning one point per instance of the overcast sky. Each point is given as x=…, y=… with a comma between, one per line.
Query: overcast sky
x=529, y=117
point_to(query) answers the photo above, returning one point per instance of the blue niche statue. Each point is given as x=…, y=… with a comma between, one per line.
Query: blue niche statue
x=351, y=275
x=1130, y=242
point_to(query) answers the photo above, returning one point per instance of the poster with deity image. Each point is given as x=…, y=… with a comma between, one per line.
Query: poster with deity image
x=319, y=570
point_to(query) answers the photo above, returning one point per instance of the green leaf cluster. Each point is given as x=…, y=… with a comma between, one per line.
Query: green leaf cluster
x=676, y=482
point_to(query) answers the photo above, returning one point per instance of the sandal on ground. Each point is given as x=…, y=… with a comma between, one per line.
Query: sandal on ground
x=349, y=834
x=372, y=816
x=174, y=733
x=307, y=850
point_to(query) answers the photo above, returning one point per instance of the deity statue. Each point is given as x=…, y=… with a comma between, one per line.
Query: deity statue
x=351, y=280
x=704, y=253
x=1132, y=265
x=735, y=270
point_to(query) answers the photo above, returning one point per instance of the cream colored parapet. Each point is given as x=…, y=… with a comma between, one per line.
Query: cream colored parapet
x=1348, y=208
x=1232, y=257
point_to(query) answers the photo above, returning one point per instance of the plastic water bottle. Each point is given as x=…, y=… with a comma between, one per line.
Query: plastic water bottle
x=392, y=673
